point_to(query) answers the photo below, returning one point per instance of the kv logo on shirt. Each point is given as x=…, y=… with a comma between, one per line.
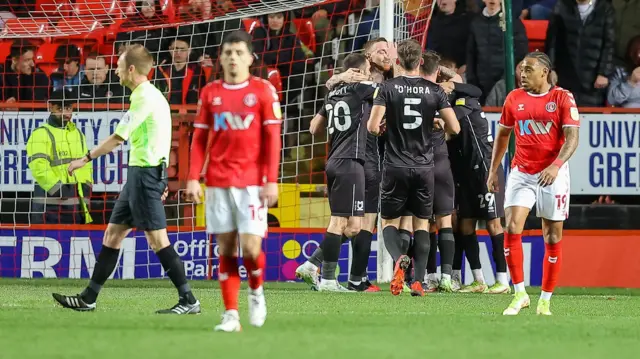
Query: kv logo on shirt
x=529, y=127
x=224, y=121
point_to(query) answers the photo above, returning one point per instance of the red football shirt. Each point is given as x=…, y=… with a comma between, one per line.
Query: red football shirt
x=538, y=120
x=241, y=123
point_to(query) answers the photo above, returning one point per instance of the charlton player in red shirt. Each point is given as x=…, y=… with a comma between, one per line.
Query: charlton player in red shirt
x=546, y=123
x=240, y=116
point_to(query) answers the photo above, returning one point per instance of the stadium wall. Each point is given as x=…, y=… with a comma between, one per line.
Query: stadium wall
x=591, y=258
x=607, y=161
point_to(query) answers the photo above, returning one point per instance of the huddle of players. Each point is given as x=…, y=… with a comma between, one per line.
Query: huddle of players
x=421, y=173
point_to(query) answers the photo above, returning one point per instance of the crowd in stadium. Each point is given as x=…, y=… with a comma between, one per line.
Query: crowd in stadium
x=594, y=45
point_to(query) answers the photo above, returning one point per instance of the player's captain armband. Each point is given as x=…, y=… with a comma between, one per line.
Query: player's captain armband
x=460, y=102
x=575, y=115
x=277, y=112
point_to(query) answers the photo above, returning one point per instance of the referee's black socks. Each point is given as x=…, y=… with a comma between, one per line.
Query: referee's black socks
x=174, y=268
x=106, y=263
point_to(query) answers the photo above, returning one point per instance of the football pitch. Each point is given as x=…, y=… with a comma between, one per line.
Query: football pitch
x=301, y=324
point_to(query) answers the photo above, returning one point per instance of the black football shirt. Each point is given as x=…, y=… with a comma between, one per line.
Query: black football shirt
x=411, y=105
x=347, y=128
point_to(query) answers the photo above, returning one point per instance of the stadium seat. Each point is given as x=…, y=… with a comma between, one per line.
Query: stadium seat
x=45, y=58
x=20, y=27
x=79, y=31
x=5, y=50
x=98, y=9
x=250, y=24
x=276, y=80
x=306, y=33
x=52, y=9
x=536, y=33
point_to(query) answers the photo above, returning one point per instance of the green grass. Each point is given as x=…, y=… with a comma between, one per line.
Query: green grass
x=302, y=324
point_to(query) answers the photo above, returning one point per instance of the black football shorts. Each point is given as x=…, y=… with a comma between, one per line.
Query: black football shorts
x=346, y=187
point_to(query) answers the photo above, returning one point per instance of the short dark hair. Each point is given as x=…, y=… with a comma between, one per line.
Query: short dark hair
x=430, y=62
x=369, y=44
x=354, y=61
x=236, y=37
x=61, y=99
x=409, y=54
x=20, y=48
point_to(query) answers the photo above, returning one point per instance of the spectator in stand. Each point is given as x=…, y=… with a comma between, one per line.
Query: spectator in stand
x=146, y=12
x=499, y=91
x=624, y=90
x=580, y=42
x=23, y=82
x=449, y=28
x=69, y=75
x=538, y=10
x=180, y=80
x=627, y=13
x=278, y=47
x=485, y=47
x=98, y=85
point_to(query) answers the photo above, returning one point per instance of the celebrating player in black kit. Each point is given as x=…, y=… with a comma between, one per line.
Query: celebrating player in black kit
x=345, y=165
x=378, y=54
x=470, y=154
x=410, y=103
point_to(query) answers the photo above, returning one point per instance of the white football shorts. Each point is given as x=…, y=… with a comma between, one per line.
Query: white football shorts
x=235, y=209
x=552, y=202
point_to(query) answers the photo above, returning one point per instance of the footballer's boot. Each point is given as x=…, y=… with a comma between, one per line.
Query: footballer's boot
x=371, y=288
x=74, y=302
x=474, y=287
x=257, y=307
x=446, y=285
x=362, y=287
x=456, y=283
x=520, y=301
x=182, y=307
x=331, y=285
x=398, y=283
x=498, y=288
x=309, y=274
x=543, y=307
x=230, y=322
x=416, y=289
x=431, y=286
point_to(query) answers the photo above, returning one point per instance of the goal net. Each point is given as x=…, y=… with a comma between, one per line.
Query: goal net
x=52, y=224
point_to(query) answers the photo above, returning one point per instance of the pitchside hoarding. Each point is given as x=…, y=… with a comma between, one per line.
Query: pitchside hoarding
x=606, y=162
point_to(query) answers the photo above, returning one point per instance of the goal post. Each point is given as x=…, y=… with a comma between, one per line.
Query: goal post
x=73, y=47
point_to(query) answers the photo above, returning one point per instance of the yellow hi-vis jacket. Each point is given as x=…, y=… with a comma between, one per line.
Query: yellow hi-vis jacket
x=50, y=149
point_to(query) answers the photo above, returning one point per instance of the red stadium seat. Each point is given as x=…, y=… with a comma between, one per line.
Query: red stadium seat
x=52, y=9
x=276, y=80
x=5, y=50
x=250, y=24
x=536, y=33
x=98, y=9
x=79, y=31
x=45, y=58
x=306, y=33
x=21, y=27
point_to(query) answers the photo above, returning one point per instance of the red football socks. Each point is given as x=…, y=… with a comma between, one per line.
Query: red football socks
x=229, y=282
x=255, y=269
x=551, y=266
x=514, y=257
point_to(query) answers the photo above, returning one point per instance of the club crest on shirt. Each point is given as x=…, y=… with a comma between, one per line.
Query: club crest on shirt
x=551, y=107
x=217, y=101
x=250, y=100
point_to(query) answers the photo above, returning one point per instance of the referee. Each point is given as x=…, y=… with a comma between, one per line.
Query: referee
x=147, y=127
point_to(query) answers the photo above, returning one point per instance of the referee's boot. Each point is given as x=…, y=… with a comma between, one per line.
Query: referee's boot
x=187, y=304
x=74, y=302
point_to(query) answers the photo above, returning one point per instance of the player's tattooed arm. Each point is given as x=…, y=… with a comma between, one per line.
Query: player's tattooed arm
x=571, y=135
x=349, y=76
x=317, y=124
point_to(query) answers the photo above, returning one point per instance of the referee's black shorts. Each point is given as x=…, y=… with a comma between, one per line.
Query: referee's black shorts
x=140, y=202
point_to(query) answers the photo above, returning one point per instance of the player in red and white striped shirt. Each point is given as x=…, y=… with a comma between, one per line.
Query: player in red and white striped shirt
x=240, y=116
